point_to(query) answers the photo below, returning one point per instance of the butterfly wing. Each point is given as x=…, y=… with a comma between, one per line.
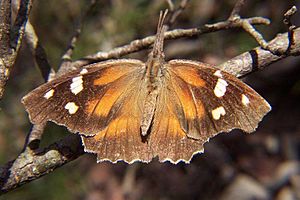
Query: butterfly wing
x=201, y=101
x=104, y=103
x=86, y=100
x=167, y=139
x=121, y=139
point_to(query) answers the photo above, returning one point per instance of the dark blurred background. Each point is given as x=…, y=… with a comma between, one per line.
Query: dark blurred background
x=261, y=165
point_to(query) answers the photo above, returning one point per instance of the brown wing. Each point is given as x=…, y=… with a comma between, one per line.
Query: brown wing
x=167, y=139
x=121, y=139
x=199, y=102
x=85, y=100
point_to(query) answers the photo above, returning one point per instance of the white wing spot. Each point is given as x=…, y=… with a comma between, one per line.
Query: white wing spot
x=218, y=74
x=83, y=71
x=76, y=85
x=245, y=100
x=71, y=107
x=218, y=112
x=220, y=87
x=49, y=94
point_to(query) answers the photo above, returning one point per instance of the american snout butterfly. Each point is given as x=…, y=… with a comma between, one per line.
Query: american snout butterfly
x=128, y=110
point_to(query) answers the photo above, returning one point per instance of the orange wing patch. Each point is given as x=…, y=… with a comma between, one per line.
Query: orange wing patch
x=117, y=83
x=111, y=74
x=121, y=138
x=184, y=80
x=192, y=108
x=103, y=106
x=189, y=75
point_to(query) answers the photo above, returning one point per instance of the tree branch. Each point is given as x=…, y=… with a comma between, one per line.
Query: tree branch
x=66, y=60
x=237, y=9
x=32, y=164
x=38, y=52
x=138, y=45
x=259, y=58
x=174, y=13
x=11, y=37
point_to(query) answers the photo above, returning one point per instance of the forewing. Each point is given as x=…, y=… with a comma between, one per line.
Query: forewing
x=85, y=100
x=197, y=102
x=214, y=101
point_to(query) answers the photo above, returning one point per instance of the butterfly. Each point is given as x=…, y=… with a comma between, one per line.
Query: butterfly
x=125, y=109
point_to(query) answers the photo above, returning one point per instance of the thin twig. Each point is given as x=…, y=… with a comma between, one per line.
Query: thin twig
x=35, y=47
x=259, y=58
x=140, y=44
x=236, y=9
x=171, y=5
x=248, y=27
x=18, y=27
x=291, y=27
x=254, y=33
x=67, y=56
x=34, y=136
x=174, y=13
x=38, y=52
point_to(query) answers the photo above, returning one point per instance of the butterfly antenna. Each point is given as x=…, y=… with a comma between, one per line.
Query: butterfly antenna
x=159, y=40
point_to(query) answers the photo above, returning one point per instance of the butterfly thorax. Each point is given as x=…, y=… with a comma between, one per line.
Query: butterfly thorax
x=154, y=69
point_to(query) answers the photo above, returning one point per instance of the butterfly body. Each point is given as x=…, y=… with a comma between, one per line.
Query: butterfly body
x=128, y=110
